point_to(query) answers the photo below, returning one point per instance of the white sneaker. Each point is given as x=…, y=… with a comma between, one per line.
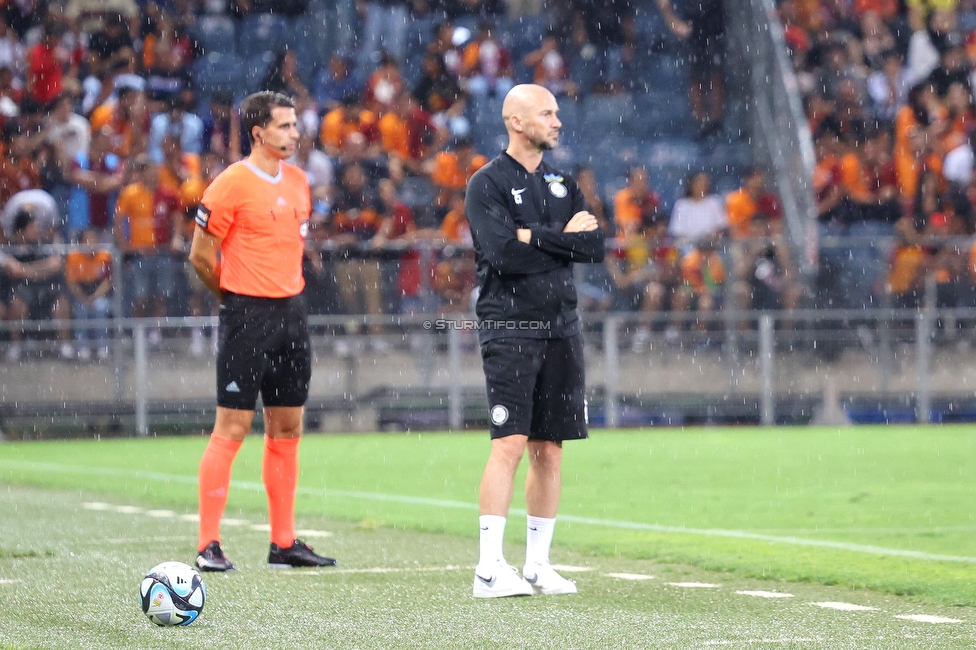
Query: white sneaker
x=67, y=351
x=84, y=353
x=499, y=580
x=14, y=352
x=155, y=337
x=380, y=346
x=103, y=352
x=546, y=581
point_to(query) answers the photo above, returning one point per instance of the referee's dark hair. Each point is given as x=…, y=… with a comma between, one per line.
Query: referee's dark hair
x=256, y=109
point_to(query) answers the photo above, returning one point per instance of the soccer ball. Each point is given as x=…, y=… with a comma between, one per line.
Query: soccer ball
x=172, y=593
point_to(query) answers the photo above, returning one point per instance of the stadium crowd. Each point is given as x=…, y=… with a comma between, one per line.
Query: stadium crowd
x=888, y=91
x=111, y=128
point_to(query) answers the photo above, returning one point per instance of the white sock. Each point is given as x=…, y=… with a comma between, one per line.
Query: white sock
x=492, y=534
x=538, y=539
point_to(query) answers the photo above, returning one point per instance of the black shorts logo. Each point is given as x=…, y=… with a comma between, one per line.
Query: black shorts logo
x=499, y=415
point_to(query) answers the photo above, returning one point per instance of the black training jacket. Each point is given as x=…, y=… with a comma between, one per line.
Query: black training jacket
x=527, y=290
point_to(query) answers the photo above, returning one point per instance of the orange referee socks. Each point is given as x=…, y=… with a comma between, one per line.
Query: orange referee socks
x=213, y=482
x=280, y=473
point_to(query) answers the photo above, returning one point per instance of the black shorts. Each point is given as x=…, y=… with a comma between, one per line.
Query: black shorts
x=263, y=348
x=536, y=387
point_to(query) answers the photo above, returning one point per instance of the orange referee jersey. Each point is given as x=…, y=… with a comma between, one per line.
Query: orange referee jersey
x=263, y=221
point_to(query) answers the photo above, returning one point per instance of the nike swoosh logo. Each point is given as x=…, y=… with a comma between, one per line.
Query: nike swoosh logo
x=485, y=528
x=489, y=583
x=531, y=528
x=531, y=580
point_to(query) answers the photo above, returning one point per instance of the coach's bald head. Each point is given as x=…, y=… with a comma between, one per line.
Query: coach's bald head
x=529, y=112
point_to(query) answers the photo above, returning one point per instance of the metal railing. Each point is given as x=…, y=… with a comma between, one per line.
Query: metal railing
x=780, y=133
x=769, y=367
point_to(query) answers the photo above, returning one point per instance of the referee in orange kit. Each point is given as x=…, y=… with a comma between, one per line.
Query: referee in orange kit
x=255, y=213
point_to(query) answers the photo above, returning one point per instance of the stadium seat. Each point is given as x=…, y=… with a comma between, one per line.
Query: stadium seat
x=569, y=115
x=255, y=69
x=262, y=32
x=523, y=35
x=609, y=115
x=219, y=71
x=313, y=40
x=214, y=34
x=671, y=152
x=610, y=157
x=487, y=127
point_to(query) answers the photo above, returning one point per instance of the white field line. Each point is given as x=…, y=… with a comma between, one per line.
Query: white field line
x=8, y=581
x=926, y=618
x=784, y=641
x=465, y=505
x=694, y=585
x=845, y=607
x=764, y=594
x=380, y=570
x=629, y=576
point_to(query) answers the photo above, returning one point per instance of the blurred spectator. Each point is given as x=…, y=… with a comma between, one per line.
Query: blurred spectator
x=702, y=282
x=397, y=226
x=888, y=87
x=385, y=30
x=176, y=121
x=349, y=118
x=336, y=82
x=24, y=15
x=127, y=117
x=12, y=53
x=147, y=219
x=67, y=130
x=931, y=37
x=178, y=166
x=636, y=203
x=595, y=291
x=383, y=85
x=355, y=224
x=698, y=215
x=446, y=47
x=644, y=271
x=166, y=60
x=610, y=27
x=455, y=228
x=549, y=68
x=704, y=29
x=97, y=177
x=320, y=171
x=437, y=90
x=45, y=65
x=282, y=76
x=89, y=277
x=111, y=44
x=486, y=66
x=221, y=128
x=19, y=170
x=201, y=301
x=748, y=201
x=41, y=207
x=765, y=277
x=408, y=133
x=37, y=276
x=906, y=278
x=450, y=171
x=454, y=278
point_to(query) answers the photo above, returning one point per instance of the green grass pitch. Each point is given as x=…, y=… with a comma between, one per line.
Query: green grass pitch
x=879, y=517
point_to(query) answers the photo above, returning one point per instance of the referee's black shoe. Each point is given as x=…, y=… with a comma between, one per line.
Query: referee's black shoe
x=299, y=554
x=212, y=558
